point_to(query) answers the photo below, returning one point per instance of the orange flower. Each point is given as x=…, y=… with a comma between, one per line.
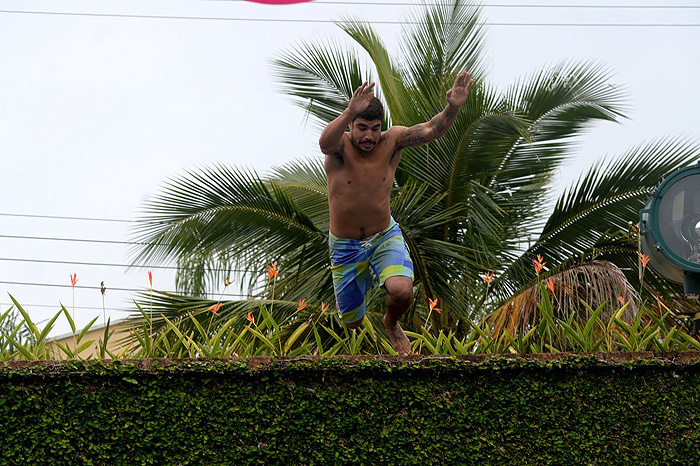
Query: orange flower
x=324, y=308
x=658, y=301
x=488, y=277
x=102, y=287
x=150, y=278
x=272, y=270
x=302, y=304
x=550, y=284
x=214, y=308
x=73, y=280
x=538, y=264
x=644, y=259
x=250, y=318
x=621, y=299
x=433, y=305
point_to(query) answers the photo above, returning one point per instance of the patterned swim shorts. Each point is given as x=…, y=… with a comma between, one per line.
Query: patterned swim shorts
x=385, y=252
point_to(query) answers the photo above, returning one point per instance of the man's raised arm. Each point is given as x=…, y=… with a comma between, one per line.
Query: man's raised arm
x=425, y=132
x=331, y=137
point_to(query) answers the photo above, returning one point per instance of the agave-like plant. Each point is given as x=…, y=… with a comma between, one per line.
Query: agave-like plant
x=478, y=199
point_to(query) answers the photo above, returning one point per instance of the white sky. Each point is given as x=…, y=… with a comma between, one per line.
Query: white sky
x=96, y=112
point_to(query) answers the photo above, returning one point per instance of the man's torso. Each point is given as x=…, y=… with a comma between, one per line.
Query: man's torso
x=359, y=187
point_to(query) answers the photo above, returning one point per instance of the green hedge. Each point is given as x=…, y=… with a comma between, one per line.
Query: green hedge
x=573, y=409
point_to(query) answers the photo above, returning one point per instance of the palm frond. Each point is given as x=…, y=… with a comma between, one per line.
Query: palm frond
x=561, y=102
x=391, y=82
x=320, y=78
x=472, y=149
x=611, y=194
x=608, y=197
x=305, y=182
x=223, y=211
x=197, y=271
x=441, y=42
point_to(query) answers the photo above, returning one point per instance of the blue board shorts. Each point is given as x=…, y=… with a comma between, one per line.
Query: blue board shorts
x=385, y=252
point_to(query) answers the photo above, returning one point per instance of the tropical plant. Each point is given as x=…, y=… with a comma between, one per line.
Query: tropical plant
x=478, y=199
x=23, y=340
x=653, y=328
x=10, y=325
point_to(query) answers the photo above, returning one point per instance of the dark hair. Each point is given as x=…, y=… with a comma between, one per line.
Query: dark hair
x=374, y=111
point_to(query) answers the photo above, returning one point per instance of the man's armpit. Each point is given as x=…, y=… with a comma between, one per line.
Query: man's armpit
x=335, y=151
x=415, y=135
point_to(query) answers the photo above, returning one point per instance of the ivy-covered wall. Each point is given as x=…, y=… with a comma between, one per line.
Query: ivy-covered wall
x=570, y=409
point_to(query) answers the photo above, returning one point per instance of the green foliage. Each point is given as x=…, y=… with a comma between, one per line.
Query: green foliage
x=36, y=346
x=477, y=199
x=456, y=410
x=308, y=332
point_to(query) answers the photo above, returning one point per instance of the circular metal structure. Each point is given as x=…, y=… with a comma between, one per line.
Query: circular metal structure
x=670, y=228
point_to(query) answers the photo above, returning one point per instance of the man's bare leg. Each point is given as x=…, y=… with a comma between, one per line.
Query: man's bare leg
x=399, y=294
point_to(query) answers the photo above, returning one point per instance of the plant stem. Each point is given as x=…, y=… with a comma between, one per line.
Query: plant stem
x=75, y=343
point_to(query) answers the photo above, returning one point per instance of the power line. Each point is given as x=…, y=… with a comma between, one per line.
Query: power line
x=55, y=285
x=35, y=323
x=58, y=217
x=25, y=306
x=104, y=264
x=98, y=241
x=292, y=20
x=492, y=5
x=102, y=241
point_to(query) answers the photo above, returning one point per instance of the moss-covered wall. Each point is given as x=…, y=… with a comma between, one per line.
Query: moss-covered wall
x=572, y=409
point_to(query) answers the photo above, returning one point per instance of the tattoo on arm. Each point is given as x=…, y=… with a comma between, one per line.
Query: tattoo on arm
x=413, y=136
x=426, y=132
x=438, y=123
x=451, y=112
x=443, y=120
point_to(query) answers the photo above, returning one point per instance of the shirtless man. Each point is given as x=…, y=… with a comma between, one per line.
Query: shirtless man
x=360, y=167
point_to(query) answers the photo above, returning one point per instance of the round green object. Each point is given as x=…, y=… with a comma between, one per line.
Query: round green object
x=670, y=225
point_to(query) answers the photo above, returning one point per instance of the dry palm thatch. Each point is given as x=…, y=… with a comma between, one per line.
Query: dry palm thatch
x=592, y=282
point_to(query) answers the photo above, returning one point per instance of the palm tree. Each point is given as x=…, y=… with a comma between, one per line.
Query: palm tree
x=478, y=199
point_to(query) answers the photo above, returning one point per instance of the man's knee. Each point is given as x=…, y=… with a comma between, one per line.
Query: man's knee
x=400, y=290
x=402, y=298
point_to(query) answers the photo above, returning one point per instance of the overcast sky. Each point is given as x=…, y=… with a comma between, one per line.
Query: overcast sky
x=96, y=112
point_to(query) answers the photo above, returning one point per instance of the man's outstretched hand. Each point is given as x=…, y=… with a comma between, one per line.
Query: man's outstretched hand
x=460, y=89
x=361, y=98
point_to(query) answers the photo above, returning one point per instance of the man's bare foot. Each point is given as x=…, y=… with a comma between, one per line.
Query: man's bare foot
x=398, y=339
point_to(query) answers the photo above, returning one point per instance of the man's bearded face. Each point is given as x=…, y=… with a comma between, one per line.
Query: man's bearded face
x=365, y=134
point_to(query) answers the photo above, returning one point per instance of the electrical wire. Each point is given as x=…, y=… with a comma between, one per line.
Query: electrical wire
x=104, y=264
x=101, y=241
x=142, y=290
x=293, y=20
x=485, y=5
x=58, y=217
x=76, y=307
x=99, y=264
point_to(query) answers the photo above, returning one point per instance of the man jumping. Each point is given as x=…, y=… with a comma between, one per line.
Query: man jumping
x=360, y=167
